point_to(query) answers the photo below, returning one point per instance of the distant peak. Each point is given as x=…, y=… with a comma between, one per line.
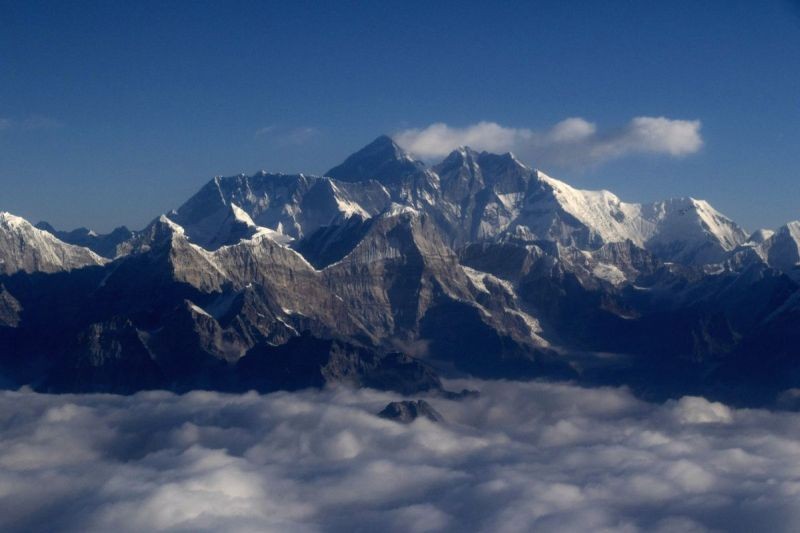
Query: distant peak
x=45, y=226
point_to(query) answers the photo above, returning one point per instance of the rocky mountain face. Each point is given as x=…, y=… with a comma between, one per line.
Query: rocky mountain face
x=387, y=273
x=407, y=411
x=25, y=248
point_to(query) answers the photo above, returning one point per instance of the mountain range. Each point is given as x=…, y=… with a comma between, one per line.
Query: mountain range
x=390, y=273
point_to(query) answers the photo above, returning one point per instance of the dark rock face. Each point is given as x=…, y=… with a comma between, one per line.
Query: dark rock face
x=330, y=244
x=463, y=394
x=407, y=411
x=305, y=362
x=107, y=357
x=10, y=309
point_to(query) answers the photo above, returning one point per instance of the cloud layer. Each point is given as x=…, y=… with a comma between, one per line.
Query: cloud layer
x=522, y=457
x=571, y=142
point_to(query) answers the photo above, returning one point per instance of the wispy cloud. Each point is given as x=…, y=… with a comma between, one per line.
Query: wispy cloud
x=572, y=142
x=287, y=136
x=266, y=130
x=31, y=123
x=521, y=457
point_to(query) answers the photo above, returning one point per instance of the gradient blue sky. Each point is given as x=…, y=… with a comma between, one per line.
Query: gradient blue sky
x=113, y=112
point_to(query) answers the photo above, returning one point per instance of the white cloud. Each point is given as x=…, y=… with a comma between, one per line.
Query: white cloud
x=695, y=410
x=571, y=130
x=572, y=142
x=522, y=457
x=440, y=139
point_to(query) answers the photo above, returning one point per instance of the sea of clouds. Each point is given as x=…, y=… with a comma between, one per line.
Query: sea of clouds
x=522, y=457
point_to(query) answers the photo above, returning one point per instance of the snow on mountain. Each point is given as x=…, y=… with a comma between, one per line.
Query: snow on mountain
x=23, y=247
x=558, y=212
x=293, y=205
x=682, y=229
x=507, y=196
x=779, y=249
x=691, y=231
x=223, y=228
x=472, y=196
x=782, y=249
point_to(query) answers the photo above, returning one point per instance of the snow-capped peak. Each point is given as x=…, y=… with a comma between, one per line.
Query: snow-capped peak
x=23, y=247
x=691, y=231
x=782, y=249
x=12, y=221
x=607, y=217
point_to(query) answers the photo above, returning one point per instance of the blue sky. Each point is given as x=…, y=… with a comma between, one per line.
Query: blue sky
x=112, y=112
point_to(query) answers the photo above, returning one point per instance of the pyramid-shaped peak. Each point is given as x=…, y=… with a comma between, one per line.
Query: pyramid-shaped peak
x=384, y=147
x=384, y=142
x=382, y=160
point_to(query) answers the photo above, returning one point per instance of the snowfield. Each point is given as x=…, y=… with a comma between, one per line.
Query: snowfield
x=522, y=457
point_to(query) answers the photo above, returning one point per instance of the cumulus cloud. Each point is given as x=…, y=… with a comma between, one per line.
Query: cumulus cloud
x=572, y=142
x=440, y=139
x=522, y=457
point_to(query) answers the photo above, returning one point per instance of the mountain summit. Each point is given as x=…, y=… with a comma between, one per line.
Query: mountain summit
x=382, y=160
